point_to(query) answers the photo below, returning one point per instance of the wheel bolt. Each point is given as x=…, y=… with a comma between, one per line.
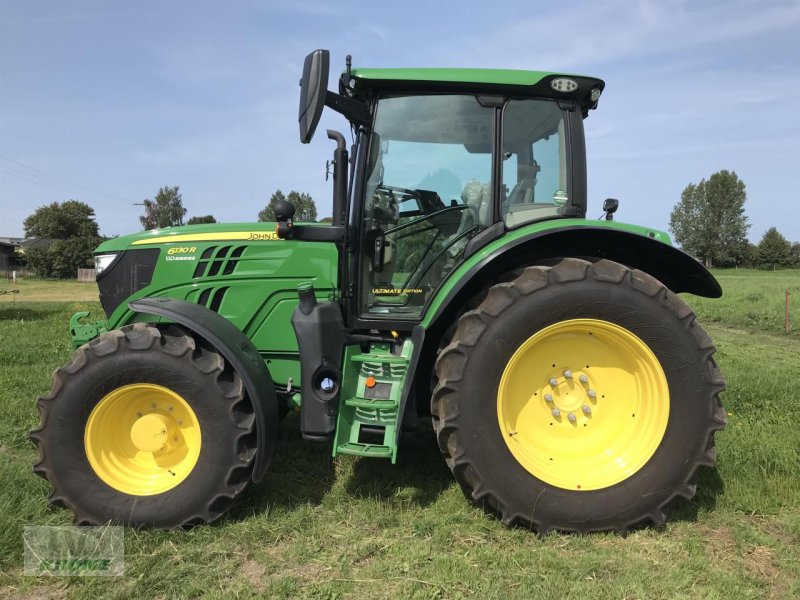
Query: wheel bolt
x=572, y=418
x=556, y=412
x=568, y=374
x=584, y=379
x=592, y=394
x=548, y=397
x=553, y=382
x=587, y=410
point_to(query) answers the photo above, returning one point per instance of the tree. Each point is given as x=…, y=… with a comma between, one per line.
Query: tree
x=327, y=220
x=750, y=255
x=74, y=232
x=62, y=258
x=305, y=208
x=200, y=220
x=166, y=211
x=709, y=221
x=774, y=249
x=796, y=253
x=69, y=219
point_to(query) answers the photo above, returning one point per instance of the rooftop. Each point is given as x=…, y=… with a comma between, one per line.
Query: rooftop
x=540, y=84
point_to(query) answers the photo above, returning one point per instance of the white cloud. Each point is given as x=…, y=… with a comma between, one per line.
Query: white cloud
x=599, y=32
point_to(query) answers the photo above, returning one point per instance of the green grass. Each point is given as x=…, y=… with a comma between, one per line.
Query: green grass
x=46, y=290
x=753, y=300
x=360, y=528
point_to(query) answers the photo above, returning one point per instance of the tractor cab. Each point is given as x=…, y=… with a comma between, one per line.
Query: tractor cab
x=446, y=160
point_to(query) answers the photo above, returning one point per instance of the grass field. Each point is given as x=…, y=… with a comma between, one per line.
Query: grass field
x=351, y=528
x=44, y=290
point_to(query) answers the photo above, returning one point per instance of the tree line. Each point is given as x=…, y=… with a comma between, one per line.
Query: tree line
x=69, y=233
x=709, y=222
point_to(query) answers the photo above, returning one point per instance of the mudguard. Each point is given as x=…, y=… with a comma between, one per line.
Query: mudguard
x=673, y=267
x=546, y=243
x=242, y=355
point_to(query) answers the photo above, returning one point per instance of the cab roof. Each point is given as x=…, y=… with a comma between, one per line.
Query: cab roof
x=512, y=82
x=492, y=76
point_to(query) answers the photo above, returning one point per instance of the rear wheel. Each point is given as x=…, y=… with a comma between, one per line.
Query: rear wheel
x=578, y=397
x=146, y=426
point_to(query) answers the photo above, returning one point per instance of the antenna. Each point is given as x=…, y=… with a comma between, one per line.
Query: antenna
x=348, y=62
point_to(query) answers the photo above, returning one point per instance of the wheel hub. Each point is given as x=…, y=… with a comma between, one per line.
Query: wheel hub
x=150, y=432
x=572, y=394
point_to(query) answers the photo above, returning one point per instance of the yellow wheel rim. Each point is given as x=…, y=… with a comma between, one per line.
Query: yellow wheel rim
x=583, y=404
x=142, y=439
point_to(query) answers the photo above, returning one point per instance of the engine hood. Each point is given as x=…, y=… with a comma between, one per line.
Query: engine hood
x=192, y=233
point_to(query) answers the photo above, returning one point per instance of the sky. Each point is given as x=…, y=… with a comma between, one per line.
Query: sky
x=105, y=102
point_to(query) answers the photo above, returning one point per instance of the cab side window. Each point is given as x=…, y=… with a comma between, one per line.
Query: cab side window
x=535, y=183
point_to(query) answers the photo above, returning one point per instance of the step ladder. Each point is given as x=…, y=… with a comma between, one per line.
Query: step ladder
x=368, y=412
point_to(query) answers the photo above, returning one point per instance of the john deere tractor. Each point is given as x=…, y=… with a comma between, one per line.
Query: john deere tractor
x=460, y=280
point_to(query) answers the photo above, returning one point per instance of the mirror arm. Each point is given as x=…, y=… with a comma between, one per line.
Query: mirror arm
x=353, y=110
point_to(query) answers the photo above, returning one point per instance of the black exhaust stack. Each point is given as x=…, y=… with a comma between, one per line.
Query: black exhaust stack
x=340, y=163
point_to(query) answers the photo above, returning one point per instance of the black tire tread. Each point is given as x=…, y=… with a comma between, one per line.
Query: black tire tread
x=177, y=342
x=451, y=362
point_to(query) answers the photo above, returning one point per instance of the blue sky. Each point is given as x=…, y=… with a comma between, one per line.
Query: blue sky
x=107, y=101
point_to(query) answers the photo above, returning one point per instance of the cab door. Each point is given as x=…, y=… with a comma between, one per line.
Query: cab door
x=428, y=190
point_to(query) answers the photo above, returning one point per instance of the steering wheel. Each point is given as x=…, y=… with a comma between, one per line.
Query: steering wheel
x=398, y=190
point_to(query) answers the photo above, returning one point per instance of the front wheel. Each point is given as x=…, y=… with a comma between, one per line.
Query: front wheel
x=580, y=397
x=146, y=426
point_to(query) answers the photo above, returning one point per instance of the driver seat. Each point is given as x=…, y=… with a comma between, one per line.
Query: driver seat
x=477, y=197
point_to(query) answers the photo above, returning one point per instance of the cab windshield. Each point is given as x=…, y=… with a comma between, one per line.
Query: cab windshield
x=429, y=188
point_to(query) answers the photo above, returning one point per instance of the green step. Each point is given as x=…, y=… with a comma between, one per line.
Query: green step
x=372, y=450
x=387, y=359
x=378, y=416
x=371, y=403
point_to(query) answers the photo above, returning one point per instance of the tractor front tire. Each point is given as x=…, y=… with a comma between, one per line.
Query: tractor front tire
x=578, y=397
x=146, y=426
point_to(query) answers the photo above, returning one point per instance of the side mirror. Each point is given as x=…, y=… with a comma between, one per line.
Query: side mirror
x=313, y=89
x=610, y=206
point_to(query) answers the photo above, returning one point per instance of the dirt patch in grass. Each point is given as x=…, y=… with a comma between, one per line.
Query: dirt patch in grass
x=41, y=592
x=722, y=544
x=758, y=561
x=278, y=564
x=253, y=572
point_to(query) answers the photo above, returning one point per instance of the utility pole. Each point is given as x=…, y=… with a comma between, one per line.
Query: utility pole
x=148, y=209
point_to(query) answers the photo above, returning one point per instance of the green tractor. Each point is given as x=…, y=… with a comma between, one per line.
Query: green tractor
x=568, y=385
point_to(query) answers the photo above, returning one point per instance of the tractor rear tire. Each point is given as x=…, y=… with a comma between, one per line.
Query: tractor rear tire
x=146, y=426
x=578, y=397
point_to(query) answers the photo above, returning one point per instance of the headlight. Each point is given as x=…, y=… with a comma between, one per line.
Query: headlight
x=102, y=261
